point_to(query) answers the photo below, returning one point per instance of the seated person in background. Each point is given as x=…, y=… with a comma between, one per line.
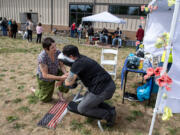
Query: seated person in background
x=104, y=35
x=117, y=34
x=48, y=71
x=100, y=85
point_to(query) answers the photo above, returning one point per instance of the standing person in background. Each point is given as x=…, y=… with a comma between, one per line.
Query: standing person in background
x=90, y=33
x=4, y=26
x=39, y=31
x=73, y=26
x=14, y=29
x=79, y=30
x=29, y=27
x=9, y=28
x=139, y=35
x=86, y=34
x=0, y=24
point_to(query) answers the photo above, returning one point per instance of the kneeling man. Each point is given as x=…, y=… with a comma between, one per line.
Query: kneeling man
x=100, y=85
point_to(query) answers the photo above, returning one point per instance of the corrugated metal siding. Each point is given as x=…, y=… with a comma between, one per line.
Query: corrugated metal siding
x=124, y=1
x=12, y=8
x=61, y=12
x=86, y=1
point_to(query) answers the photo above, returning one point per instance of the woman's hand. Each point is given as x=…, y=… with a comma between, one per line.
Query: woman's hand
x=63, y=77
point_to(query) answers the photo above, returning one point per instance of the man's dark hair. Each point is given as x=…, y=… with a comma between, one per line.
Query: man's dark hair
x=71, y=50
x=47, y=42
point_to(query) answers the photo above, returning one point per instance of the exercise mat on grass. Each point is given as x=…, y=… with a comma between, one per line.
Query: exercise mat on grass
x=54, y=116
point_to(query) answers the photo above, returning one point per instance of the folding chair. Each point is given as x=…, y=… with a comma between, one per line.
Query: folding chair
x=112, y=62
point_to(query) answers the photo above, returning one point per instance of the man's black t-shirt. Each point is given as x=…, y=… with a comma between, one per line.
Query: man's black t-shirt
x=118, y=33
x=91, y=74
x=105, y=32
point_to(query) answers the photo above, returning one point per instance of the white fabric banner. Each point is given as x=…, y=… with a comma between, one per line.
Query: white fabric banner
x=159, y=21
x=173, y=100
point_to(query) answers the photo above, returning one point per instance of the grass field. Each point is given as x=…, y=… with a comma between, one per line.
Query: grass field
x=20, y=111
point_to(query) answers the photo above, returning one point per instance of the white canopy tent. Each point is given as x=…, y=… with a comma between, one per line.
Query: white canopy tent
x=167, y=22
x=103, y=17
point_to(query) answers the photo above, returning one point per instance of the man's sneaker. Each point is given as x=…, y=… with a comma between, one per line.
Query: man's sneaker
x=130, y=96
x=112, y=117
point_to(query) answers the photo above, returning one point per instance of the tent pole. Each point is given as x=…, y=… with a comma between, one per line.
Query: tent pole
x=160, y=92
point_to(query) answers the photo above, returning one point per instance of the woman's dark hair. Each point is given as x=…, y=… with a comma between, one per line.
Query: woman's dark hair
x=71, y=50
x=39, y=24
x=47, y=42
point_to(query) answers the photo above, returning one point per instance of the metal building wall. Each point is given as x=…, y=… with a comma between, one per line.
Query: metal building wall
x=61, y=12
x=80, y=1
x=131, y=25
x=124, y=1
x=12, y=8
x=103, y=5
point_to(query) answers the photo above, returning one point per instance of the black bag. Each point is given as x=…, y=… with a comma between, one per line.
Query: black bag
x=133, y=62
x=140, y=53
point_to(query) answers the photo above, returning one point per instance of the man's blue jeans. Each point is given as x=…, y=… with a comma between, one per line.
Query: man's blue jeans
x=4, y=30
x=72, y=33
x=119, y=41
x=102, y=37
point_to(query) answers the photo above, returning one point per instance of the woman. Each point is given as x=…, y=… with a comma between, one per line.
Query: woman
x=48, y=71
x=14, y=29
x=39, y=31
x=79, y=30
x=29, y=28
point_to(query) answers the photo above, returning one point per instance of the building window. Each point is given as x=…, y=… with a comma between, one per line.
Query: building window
x=126, y=10
x=76, y=12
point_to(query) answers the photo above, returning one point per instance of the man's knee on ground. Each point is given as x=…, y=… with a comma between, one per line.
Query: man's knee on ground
x=81, y=109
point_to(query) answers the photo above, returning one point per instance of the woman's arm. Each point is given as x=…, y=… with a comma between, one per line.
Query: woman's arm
x=63, y=68
x=44, y=70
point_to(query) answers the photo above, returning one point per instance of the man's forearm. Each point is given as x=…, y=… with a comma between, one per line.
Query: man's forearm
x=70, y=79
